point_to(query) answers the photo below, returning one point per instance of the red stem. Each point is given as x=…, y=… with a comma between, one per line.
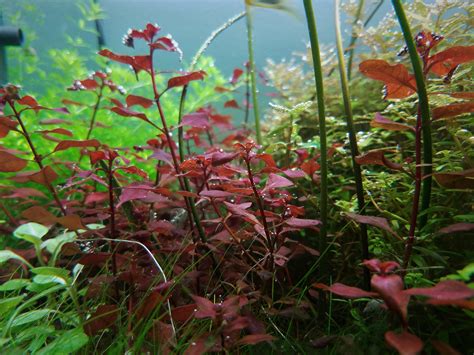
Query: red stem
x=38, y=158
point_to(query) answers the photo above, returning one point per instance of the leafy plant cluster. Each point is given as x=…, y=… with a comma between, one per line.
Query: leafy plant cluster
x=196, y=239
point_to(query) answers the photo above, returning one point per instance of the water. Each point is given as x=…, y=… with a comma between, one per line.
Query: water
x=277, y=34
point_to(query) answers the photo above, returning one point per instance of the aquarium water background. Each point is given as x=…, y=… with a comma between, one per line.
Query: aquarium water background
x=278, y=35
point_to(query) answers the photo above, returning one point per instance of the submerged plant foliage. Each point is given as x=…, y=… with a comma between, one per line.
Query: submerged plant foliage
x=195, y=239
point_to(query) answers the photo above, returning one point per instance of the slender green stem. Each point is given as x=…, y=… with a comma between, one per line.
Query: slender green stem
x=318, y=76
x=423, y=106
x=194, y=62
x=95, y=110
x=253, y=79
x=354, y=37
x=346, y=96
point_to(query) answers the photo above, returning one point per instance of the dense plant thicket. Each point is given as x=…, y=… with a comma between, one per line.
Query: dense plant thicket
x=347, y=229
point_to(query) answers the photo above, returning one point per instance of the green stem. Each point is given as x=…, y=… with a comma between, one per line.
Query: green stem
x=253, y=79
x=353, y=37
x=346, y=96
x=318, y=76
x=424, y=109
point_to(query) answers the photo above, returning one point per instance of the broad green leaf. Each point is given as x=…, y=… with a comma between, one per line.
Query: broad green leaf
x=67, y=343
x=31, y=316
x=54, y=245
x=31, y=232
x=52, y=271
x=6, y=255
x=4, y=341
x=32, y=332
x=9, y=303
x=46, y=279
x=15, y=284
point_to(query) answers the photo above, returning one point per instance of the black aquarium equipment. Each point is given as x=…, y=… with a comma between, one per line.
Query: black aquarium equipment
x=9, y=36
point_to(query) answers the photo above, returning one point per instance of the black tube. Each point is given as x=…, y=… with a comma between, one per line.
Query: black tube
x=10, y=36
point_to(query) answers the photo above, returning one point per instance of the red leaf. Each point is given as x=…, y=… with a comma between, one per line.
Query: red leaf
x=138, y=63
x=463, y=95
x=377, y=266
x=276, y=181
x=185, y=79
x=444, y=290
x=453, y=110
x=28, y=101
x=32, y=103
x=382, y=122
x=379, y=222
x=166, y=44
x=239, y=210
x=71, y=222
x=457, y=228
x=182, y=314
x=54, y=121
x=405, y=343
x=236, y=75
x=294, y=173
x=125, y=112
x=71, y=102
x=135, y=170
x=377, y=157
x=96, y=197
x=63, y=145
x=40, y=215
x=215, y=193
x=253, y=339
x=7, y=125
x=95, y=259
x=196, y=119
x=10, y=163
x=398, y=82
x=44, y=177
x=444, y=349
x=96, y=156
x=149, y=304
x=138, y=100
x=444, y=62
x=220, y=89
x=345, y=291
x=456, y=180
x=104, y=317
x=219, y=158
x=302, y=223
x=25, y=192
x=62, y=131
x=390, y=288
x=231, y=104
x=467, y=304
x=205, y=308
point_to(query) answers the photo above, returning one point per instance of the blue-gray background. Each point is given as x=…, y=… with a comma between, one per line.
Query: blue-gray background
x=277, y=34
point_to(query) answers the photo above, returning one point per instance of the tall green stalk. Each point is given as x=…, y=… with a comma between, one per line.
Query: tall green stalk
x=192, y=66
x=423, y=108
x=253, y=79
x=353, y=37
x=318, y=77
x=346, y=96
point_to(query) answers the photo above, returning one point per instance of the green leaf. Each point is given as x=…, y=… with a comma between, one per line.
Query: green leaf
x=47, y=279
x=15, y=284
x=9, y=303
x=54, y=245
x=31, y=316
x=51, y=271
x=32, y=332
x=31, y=232
x=67, y=343
x=6, y=255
